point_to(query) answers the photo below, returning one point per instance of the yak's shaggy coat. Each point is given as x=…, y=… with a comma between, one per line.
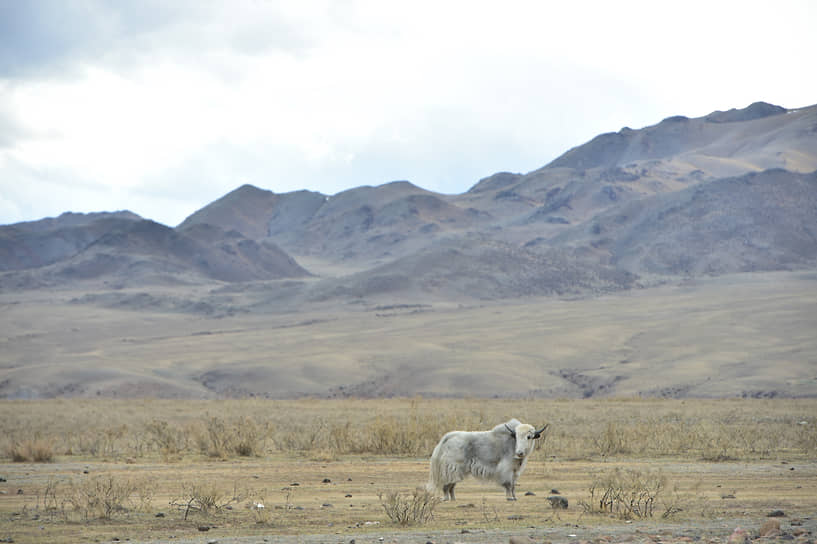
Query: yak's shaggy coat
x=498, y=455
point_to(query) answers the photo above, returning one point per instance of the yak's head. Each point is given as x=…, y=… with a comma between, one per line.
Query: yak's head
x=525, y=436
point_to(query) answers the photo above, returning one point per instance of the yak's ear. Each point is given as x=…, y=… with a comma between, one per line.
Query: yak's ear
x=513, y=433
x=538, y=433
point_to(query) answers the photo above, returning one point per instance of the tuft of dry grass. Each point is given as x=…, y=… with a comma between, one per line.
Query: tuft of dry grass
x=31, y=450
x=627, y=494
x=414, y=509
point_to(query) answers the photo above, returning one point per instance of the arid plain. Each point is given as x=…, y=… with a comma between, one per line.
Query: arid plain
x=326, y=470
x=199, y=462
x=741, y=335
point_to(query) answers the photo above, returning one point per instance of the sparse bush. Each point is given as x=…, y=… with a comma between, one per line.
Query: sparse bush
x=204, y=498
x=169, y=440
x=626, y=493
x=612, y=441
x=414, y=509
x=807, y=436
x=240, y=437
x=36, y=450
x=102, y=497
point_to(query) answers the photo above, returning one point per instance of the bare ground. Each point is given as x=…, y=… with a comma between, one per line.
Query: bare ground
x=313, y=501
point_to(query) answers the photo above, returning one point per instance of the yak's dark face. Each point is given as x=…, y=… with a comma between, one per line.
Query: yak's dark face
x=525, y=436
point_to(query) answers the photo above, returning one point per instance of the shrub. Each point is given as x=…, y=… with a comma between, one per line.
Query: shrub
x=240, y=437
x=417, y=508
x=206, y=499
x=102, y=497
x=170, y=441
x=625, y=493
x=35, y=450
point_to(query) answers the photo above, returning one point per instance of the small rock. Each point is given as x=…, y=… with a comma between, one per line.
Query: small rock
x=326, y=505
x=738, y=536
x=212, y=541
x=554, y=492
x=204, y=528
x=19, y=491
x=557, y=502
x=327, y=481
x=530, y=494
x=770, y=528
x=515, y=517
x=160, y=515
x=294, y=484
x=776, y=514
x=520, y=540
x=728, y=496
x=2, y=479
x=348, y=495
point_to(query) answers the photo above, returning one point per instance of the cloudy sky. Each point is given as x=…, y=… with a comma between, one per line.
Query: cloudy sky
x=160, y=107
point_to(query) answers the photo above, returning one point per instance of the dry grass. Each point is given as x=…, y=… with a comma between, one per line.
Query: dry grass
x=30, y=450
x=715, y=430
x=277, y=467
x=415, y=508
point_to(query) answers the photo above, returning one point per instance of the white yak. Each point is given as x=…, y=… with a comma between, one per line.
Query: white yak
x=498, y=455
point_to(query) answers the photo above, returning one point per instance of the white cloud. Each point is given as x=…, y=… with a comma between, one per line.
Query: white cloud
x=164, y=107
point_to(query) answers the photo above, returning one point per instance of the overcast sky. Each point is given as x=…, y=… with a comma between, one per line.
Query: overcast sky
x=161, y=107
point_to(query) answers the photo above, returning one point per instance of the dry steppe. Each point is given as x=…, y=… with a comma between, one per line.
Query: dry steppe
x=729, y=336
x=195, y=471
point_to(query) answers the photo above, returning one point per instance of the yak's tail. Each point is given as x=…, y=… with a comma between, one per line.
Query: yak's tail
x=435, y=476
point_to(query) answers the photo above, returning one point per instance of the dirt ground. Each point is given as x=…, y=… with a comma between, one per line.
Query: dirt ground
x=339, y=501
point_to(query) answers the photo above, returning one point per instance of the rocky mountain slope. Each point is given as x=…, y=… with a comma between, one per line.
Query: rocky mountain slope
x=732, y=191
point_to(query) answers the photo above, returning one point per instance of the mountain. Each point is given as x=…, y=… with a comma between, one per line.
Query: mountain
x=726, y=192
x=756, y=222
x=127, y=251
x=679, y=259
x=243, y=210
x=39, y=243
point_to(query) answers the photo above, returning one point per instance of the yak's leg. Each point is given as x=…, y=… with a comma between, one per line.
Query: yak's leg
x=451, y=491
x=509, y=491
x=448, y=492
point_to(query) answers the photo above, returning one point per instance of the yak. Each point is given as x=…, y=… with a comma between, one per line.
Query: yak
x=498, y=455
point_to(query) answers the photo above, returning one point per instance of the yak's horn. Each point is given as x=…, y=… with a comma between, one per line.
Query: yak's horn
x=538, y=433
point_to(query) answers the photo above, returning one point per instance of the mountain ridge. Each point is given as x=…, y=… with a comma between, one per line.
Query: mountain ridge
x=546, y=215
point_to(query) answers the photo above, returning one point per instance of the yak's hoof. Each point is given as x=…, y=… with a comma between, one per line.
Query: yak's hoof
x=511, y=498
